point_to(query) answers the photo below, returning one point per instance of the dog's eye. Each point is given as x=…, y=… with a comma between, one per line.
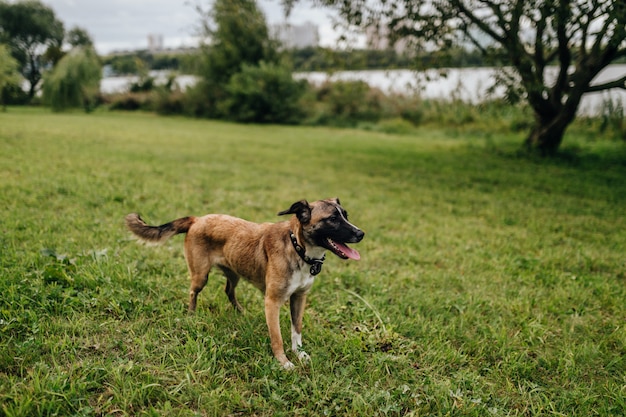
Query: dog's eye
x=333, y=218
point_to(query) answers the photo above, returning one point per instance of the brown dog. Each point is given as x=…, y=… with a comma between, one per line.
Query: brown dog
x=280, y=259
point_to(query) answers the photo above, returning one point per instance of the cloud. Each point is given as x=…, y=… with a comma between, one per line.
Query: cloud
x=126, y=24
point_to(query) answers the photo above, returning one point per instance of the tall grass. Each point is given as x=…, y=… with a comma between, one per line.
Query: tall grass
x=491, y=283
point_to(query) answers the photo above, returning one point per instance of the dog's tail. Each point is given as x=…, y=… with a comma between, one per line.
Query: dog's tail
x=157, y=234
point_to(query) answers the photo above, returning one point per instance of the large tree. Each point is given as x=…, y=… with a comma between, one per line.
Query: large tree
x=577, y=37
x=32, y=31
x=74, y=81
x=235, y=34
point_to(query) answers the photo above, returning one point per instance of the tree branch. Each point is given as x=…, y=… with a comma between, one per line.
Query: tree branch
x=482, y=25
x=565, y=57
x=619, y=83
x=584, y=20
x=475, y=42
x=600, y=35
x=540, y=24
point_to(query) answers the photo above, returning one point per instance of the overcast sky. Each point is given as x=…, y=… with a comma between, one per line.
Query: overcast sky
x=125, y=24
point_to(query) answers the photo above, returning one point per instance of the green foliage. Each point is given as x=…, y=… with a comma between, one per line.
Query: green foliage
x=346, y=103
x=491, y=284
x=169, y=102
x=74, y=82
x=130, y=101
x=28, y=26
x=238, y=37
x=613, y=118
x=134, y=62
x=266, y=93
x=143, y=84
x=78, y=37
x=124, y=65
x=309, y=59
x=327, y=59
x=9, y=73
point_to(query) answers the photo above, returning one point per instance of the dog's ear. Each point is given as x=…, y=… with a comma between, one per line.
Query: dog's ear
x=301, y=209
x=335, y=200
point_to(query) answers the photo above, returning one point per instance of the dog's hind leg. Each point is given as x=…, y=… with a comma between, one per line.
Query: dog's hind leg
x=198, y=281
x=199, y=268
x=232, y=279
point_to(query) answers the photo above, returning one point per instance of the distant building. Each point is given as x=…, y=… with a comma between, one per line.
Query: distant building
x=297, y=36
x=155, y=42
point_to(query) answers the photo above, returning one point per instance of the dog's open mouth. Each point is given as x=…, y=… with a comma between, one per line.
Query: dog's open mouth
x=342, y=250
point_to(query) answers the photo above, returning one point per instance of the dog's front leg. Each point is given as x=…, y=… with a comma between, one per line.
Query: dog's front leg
x=272, y=316
x=296, y=305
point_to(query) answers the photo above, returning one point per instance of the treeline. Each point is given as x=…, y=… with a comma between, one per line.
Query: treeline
x=136, y=62
x=313, y=59
x=326, y=59
x=304, y=60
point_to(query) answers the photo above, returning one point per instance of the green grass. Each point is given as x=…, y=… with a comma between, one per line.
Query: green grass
x=491, y=284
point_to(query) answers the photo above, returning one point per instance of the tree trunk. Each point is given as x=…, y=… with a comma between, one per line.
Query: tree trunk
x=550, y=125
x=546, y=136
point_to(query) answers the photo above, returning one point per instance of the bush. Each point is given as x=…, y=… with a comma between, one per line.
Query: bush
x=169, y=102
x=142, y=85
x=14, y=94
x=612, y=118
x=196, y=102
x=346, y=103
x=263, y=94
x=74, y=82
x=130, y=101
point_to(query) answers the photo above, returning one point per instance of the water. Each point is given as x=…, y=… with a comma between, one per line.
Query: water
x=467, y=84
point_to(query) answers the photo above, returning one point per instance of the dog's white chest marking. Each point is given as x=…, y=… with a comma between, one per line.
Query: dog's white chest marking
x=301, y=280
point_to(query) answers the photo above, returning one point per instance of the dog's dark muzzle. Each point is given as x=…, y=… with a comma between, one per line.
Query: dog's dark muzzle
x=357, y=236
x=337, y=243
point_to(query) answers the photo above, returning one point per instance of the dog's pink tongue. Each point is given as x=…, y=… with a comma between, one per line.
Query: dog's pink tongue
x=349, y=252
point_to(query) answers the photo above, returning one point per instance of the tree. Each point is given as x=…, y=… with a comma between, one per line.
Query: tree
x=74, y=82
x=9, y=72
x=578, y=37
x=78, y=37
x=31, y=29
x=235, y=34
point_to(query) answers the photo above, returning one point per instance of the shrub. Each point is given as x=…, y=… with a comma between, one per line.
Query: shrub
x=130, y=101
x=612, y=118
x=196, y=103
x=263, y=94
x=143, y=84
x=14, y=94
x=346, y=103
x=74, y=82
x=168, y=102
x=9, y=74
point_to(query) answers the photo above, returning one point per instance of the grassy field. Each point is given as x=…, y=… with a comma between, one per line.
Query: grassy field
x=491, y=284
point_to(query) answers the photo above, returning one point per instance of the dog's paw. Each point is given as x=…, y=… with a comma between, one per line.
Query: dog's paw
x=303, y=356
x=288, y=366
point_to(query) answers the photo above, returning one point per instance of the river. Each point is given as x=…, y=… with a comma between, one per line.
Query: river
x=467, y=84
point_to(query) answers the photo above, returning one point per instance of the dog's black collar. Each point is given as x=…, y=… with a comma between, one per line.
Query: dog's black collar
x=316, y=264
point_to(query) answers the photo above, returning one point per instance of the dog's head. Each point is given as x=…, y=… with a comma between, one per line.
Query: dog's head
x=325, y=223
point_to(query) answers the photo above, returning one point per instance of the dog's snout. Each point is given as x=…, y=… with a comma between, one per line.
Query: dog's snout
x=359, y=235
